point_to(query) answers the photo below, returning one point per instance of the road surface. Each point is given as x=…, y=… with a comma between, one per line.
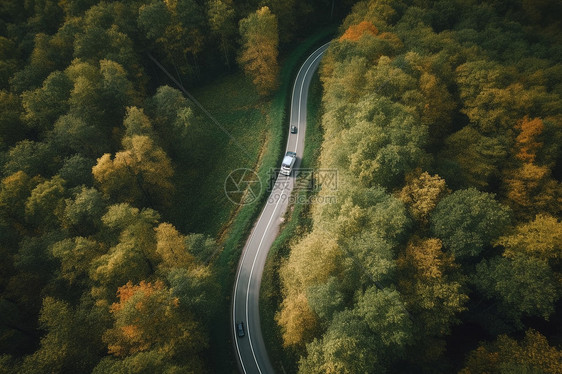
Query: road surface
x=250, y=350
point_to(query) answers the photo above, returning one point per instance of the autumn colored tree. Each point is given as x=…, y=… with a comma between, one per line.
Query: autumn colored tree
x=530, y=189
x=527, y=141
x=137, y=123
x=437, y=114
x=417, y=97
x=147, y=317
x=532, y=354
x=260, y=41
x=433, y=293
x=132, y=256
x=481, y=86
x=312, y=262
x=140, y=173
x=541, y=237
x=171, y=247
x=355, y=32
x=422, y=193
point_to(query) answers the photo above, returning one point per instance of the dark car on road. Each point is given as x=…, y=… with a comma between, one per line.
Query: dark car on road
x=240, y=329
x=293, y=129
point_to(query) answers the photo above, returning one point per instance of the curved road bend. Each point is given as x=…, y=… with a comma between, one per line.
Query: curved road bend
x=250, y=350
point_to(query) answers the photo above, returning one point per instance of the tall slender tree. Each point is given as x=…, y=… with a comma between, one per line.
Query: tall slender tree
x=260, y=41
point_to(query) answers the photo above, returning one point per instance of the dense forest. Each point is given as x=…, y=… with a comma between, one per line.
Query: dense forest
x=443, y=251
x=96, y=274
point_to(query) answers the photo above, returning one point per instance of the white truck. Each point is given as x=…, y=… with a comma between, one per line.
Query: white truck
x=288, y=162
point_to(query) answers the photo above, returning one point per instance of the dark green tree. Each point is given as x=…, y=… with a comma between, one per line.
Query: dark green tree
x=468, y=220
x=524, y=286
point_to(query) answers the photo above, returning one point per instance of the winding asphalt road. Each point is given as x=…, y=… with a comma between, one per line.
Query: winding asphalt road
x=250, y=349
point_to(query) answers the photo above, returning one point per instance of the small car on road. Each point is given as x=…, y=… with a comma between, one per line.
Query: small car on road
x=293, y=129
x=240, y=329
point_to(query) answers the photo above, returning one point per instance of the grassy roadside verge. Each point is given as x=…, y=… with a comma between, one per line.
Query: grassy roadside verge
x=224, y=266
x=298, y=223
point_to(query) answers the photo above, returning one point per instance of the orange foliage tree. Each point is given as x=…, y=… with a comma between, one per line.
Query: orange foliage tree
x=526, y=141
x=146, y=317
x=530, y=187
x=355, y=32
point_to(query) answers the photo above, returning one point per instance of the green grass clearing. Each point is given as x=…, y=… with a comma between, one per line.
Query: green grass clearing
x=239, y=110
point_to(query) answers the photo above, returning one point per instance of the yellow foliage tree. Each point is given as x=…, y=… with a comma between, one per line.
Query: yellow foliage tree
x=530, y=189
x=297, y=319
x=312, y=261
x=422, y=193
x=171, y=247
x=260, y=41
x=142, y=171
x=541, y=237
x=432, y=293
